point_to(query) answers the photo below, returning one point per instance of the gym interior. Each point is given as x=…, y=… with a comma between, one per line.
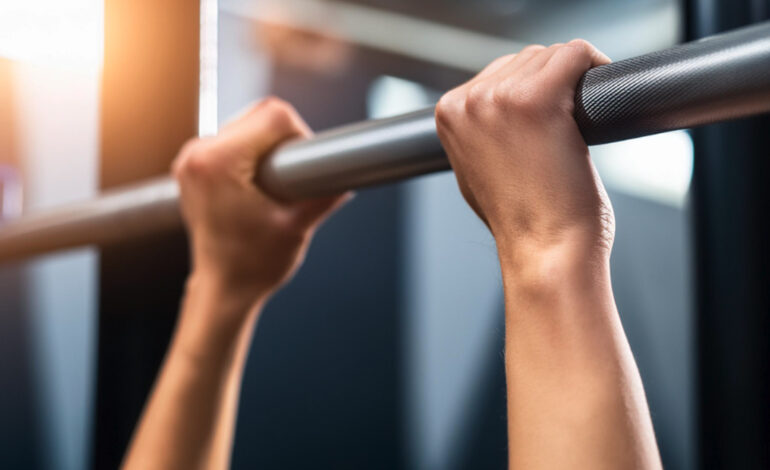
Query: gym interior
x=386, y=350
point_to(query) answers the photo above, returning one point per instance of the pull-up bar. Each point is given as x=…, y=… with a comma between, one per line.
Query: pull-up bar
x=720, y=78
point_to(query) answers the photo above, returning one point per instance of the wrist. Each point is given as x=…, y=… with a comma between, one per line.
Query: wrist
x=230, y=293
x=560, y=309
x=214, y=315
x=531, y=267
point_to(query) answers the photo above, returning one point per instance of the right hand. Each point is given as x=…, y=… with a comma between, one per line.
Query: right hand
x=520, y=160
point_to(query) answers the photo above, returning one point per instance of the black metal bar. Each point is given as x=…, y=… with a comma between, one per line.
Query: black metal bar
x=722, y=78
x=725, y=77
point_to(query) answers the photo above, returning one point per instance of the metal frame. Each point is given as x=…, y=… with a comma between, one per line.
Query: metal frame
x=731, y=202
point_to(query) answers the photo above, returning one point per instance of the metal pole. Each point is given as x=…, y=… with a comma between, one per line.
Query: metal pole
x=730, y=200
x=117, y=215
x=724, y=77
x=355, y=156
x=698, y=83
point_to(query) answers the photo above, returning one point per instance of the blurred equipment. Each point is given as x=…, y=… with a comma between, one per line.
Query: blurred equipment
x=10, y=192
x=724, y=77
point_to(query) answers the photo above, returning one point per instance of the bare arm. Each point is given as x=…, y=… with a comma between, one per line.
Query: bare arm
x=575, y=398
x=244, y=246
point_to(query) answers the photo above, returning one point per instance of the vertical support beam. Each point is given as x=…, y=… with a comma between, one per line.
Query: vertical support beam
x=731, y=201
x=149, y=108
x=19, y=429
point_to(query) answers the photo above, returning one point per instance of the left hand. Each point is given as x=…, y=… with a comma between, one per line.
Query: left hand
x=241, y=239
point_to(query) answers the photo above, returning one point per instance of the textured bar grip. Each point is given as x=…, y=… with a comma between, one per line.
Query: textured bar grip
x=715, y=79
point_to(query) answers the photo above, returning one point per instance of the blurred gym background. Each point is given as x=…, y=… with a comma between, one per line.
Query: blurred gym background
x=385, y=351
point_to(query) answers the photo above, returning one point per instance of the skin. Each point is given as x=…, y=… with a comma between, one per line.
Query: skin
x=575, y=398
x=244, y=247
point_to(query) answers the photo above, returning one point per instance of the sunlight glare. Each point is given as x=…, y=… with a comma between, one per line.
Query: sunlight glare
x=52, y=32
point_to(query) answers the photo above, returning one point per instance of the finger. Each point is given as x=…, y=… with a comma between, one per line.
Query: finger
x=597, y=57
x=494, y=66
x=239, y=117
x=525, y=55
x=268, y=123
x=539, y=60
x=314, y=210
x=532, y=58
x=249, y=111
x=520, y=57
x=507, y=64
x=572, y=60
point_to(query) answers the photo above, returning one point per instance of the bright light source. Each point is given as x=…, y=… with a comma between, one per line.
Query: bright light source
x=657, y=167
x=207, y=99
x=55, y=32
x=389, y=96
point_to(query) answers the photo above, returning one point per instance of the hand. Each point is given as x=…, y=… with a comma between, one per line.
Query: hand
x=244, y=246
x=519, y=158
x=242, y=240
x=575, y=398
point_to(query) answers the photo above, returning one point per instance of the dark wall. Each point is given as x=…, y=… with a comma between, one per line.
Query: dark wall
x=732, y=203
x=149, y=109
x=322, y=383
x=652, y=283
x=321, y=386
x=19, y=436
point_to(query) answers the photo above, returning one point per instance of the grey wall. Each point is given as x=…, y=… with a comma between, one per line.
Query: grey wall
x=454, y=333
x=652, y=278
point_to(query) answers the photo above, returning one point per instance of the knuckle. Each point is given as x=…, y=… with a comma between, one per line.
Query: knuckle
x=279, y=113
x=181, y=165
x=178, y=164
x=504, y=93
x=555, y=48
x=289, y=227
x=197, y=163
x=480, y=98
x=532, y=48
x=449, y=108
x=272, y=102
x=197, y=158
x=505, y=58
x=579, y=47
x=526, y=98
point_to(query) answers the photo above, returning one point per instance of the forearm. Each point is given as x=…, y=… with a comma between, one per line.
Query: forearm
x=244, y=246
x=190, y=417
x=575, y=398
